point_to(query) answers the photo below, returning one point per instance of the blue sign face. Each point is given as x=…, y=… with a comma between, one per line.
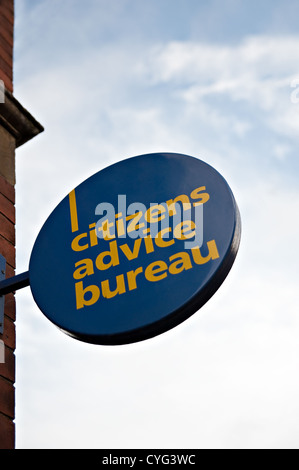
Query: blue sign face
x=136, y=249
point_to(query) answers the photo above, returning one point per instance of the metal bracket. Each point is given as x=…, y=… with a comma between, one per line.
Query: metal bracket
x=2, y=277
x=14, y=283
x=9, y=285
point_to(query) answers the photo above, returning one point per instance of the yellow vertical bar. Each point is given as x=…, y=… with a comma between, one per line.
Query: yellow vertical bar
x=73, y=211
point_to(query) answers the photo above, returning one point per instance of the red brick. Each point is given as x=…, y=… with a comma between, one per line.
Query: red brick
x=8, y=250
x=9, y=333
x=7, y=189
x=7, y=398
x=10, y=306
x=6, y=37
x=6, y=54
x=7, y=208
x=7, y=81
x=7, y=433
x=7, y=242
x=5, y=48
x=8, y=369
x=6, y=67
x=10, y=272
x=7, y=229
x=8, y=14
x=6, y=74
x=8, y=5
x=7, y=34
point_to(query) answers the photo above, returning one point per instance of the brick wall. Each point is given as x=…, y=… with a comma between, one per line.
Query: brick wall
x=6, y=42
x=7, y=249
x=7, y=232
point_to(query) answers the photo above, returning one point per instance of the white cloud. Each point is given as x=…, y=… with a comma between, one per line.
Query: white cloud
x=257, y=56
x=259, y=72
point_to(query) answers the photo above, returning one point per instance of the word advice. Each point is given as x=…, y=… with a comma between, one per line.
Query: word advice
x=120, y=254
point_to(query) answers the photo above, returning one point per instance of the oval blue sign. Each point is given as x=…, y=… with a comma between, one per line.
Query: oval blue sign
x=135, y=249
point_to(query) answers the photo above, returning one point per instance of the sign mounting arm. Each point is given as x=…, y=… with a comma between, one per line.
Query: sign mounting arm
x=9, y=285
x=14, y=283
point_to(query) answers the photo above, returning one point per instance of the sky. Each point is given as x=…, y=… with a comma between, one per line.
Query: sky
x=217, y=80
